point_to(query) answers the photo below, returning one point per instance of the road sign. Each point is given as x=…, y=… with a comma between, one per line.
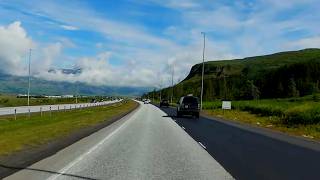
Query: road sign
x=226, y=104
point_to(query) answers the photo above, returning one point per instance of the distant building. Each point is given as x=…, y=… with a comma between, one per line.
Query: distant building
x=67, y=96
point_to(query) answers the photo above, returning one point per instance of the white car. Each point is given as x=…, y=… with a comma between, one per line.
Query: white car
x=147, y=101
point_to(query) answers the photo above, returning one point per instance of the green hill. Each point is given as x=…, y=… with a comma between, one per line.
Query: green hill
x=284, y=74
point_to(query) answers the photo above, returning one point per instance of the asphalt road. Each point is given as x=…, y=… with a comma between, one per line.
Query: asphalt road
x=251, y=152
x=146, y=144
x=25, y=109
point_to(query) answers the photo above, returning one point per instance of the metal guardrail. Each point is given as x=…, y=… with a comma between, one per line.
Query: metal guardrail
x=49, y=108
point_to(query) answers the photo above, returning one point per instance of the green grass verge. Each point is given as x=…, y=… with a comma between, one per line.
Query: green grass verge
x=24, y=132
x=305, y=110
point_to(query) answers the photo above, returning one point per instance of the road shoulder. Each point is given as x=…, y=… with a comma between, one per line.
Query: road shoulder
x=277, y=135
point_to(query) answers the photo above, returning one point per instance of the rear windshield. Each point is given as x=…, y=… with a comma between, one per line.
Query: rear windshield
x=190, y=100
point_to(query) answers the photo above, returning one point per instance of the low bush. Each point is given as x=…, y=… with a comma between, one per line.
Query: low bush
x=290, y=111
x=304, y=114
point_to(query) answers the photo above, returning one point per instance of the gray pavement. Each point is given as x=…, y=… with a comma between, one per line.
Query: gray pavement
x=146, y=144
x=25, y=109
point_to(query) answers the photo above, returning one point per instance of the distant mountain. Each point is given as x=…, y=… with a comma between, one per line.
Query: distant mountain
x=18, y=85
x=279, y=75
x=66, y=71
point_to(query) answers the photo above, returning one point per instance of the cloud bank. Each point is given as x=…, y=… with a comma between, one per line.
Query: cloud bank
x=118, y=50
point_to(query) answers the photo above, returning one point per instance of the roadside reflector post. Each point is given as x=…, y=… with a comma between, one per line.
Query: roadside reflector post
x=64, y=108
x=41, y=111
x=58, y=108
x=29, y=113
x=15, y=114
x=50, y=111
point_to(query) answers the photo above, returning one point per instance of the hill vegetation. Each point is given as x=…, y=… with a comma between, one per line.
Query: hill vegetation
x=280, y=75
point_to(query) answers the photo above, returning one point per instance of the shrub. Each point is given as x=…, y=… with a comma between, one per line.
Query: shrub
x=306, y=114
x=315, y=97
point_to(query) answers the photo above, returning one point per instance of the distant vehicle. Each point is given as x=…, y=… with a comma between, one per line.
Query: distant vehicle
x=188, y=105
x=164, y=103
x=147, y=101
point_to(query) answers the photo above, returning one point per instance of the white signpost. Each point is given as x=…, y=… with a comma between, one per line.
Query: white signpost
x=226, y=105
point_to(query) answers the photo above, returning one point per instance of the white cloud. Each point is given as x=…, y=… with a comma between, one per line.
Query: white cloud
x=14, y=51
x=309, y=42
x=146, y=56
x=70, y=28
x=14, y=45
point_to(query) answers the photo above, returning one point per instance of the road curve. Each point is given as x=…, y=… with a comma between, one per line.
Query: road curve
x=25, y=109
x=146, y=144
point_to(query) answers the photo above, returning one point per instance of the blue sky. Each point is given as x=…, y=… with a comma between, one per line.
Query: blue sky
x=137, y=43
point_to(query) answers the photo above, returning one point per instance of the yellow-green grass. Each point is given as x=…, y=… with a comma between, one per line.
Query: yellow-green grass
x=311, y=131
x=10, y=100
x=303, y=110
x=15, y=135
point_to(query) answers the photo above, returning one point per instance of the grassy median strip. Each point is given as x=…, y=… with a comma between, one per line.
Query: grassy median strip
x=16, y=135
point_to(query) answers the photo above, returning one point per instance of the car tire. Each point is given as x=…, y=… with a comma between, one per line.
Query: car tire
x=197, y=115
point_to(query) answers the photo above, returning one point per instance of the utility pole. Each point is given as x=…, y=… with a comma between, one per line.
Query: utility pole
x=160, y=88
x=204, y=47
x=29, y=78
x=76, y=93
x=172, y=83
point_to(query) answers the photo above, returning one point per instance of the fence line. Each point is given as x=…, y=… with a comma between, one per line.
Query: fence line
x=49, y=108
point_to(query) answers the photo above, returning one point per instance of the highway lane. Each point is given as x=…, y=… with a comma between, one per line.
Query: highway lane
x=146, y=144
x=25, y=109
x=251, y=152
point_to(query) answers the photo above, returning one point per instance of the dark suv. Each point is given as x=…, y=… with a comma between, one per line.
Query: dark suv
x=188, y=105
x=164, y=102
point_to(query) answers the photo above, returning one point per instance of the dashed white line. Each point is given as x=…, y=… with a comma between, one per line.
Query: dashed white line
x=204, y=147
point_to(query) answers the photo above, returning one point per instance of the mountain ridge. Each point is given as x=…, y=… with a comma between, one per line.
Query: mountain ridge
x=10, y=84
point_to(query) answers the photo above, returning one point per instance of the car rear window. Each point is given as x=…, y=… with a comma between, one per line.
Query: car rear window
x=190, y=100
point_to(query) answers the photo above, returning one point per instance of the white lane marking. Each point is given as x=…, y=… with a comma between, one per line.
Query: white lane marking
x=72, y=163
x=204, y=147
x=183, y=128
